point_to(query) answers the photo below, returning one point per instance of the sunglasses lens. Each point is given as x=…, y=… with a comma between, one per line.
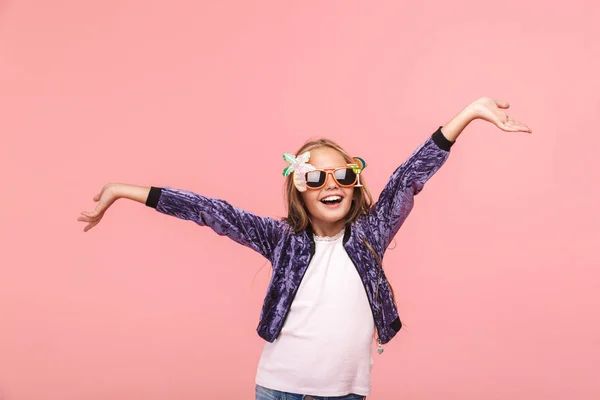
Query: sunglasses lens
x=345, y=177
x=315, y=178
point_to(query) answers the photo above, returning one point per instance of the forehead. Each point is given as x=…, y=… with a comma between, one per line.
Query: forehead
x=326, y=157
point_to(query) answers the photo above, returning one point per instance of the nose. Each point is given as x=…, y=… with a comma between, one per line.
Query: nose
x=330, y=182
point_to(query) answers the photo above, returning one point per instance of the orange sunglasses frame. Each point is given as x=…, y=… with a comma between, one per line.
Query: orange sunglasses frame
x=331, y=171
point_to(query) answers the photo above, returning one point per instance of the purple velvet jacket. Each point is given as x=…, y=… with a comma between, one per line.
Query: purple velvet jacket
x=290, y=253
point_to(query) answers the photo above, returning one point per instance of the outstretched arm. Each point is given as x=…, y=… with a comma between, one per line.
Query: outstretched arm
x=259, y=233
x=397, y=198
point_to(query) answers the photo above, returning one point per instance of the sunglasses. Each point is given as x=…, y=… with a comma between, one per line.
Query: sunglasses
x=343, y=176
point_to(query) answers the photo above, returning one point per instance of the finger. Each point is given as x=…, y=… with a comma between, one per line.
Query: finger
x=509, y=129
x=87, y=219
x=502, y=104
x=98, y=211
x=514, y=126
x=97, y=197
x=90, y=226
x=91, y=216
x=519, y=126
x=524, y=127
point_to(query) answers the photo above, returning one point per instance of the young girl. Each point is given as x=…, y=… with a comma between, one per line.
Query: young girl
x=328, y=293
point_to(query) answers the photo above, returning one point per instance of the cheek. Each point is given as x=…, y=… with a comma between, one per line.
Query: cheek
x=310, y=197
x=349, y=193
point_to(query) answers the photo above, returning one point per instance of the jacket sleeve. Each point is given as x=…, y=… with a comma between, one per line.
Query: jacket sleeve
x=397, y=198
x=259, y=233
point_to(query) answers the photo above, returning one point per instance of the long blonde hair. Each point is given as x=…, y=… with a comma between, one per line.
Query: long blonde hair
x=298, y=217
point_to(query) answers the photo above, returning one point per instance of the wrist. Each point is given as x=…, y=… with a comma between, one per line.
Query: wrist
x=458, y=123
x=116, y=190
x=470, y=113
x=126, y=191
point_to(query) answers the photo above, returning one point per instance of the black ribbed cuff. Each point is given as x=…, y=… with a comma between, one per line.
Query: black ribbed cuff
x=440, y=140
x=153, y=197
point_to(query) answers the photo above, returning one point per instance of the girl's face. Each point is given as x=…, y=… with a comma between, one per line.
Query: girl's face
x=328, y=219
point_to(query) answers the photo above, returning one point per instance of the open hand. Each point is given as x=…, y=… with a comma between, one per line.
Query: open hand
x=492, y=111
x=105, y=198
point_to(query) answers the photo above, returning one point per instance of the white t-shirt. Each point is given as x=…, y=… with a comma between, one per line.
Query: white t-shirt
x=325, y=345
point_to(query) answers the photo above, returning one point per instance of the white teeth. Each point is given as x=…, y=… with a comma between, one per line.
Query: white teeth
x=331, y=198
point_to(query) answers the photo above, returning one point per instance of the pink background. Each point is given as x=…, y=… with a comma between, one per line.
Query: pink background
x=496, y=271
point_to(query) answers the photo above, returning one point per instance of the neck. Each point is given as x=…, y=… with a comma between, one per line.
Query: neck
x=327, y=228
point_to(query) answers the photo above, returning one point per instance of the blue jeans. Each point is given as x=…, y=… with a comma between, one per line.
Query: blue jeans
x=263, y=393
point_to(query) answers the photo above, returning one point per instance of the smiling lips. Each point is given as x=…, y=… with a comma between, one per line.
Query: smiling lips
x=332, y=200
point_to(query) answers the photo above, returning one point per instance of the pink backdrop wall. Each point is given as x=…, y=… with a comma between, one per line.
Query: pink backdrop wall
x=496, y=271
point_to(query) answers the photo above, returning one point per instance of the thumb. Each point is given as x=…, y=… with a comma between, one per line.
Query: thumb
x=97, y=197
x=502, y=104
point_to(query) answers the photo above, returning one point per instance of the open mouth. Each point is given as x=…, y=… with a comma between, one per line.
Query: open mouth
x=331, y=200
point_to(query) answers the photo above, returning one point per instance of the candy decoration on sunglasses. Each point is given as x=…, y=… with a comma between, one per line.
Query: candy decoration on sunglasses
x=299, y=166
x=357, y=168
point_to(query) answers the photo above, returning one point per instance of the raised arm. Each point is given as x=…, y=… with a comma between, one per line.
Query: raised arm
x=397, y=198
x=259, y=233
